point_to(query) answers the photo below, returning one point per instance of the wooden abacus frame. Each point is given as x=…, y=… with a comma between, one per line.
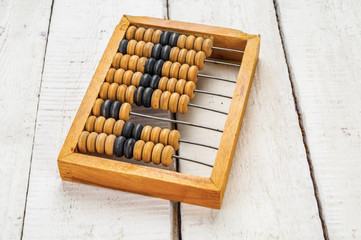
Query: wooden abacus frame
x=150, y=181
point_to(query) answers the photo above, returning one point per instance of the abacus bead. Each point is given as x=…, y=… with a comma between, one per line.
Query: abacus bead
x=156, y=36
x=124, y=61
x=157, y=70
x=100, y=143
x=137, y=131
x=138, y=36
x=207, y=47
x=154, y=82
x=127, y=77
x=147, y=152
x=167, y=156
x=103, y=93
x=116, y=60
x=89, y=125
x=174, y=70
x=183, y=104
x=128, y=130
x=145, y=80
x=138, y=96
x=173, y=102
x=148, y=48
x=97, y=106
x=165, y=53
x=99, y=124
x=119, y=146
x=183, y=71
x=179, y=87
x=163, y=137
x=173, y=39
x=128, y=148
x=82, y=141
x=129, y=94
x=149, y=65
x=145, y=136
x=164, y=38
x=139, y=48
x=124, y=113
x=173, y=139
x=118, y=128
x=105, y=109
x=154, y=135
x=156, y=51
x=190, y=57
x=181, y=41
x=147, y=97
x=138, y=149
x=166, y=68
x=123, y=45
x=131, y=47
x=130, y=32
x=162, y=85
x=198, y=44
x=133, y=61
x=148, y=35
x=156, y=99
x=190, y=42
x=157, y=153
x=192, y=74
x=164, y=100
x=173, y=55
x=118, y=76
x=108, y=126
x=112, y=91
x=141, y=64
x=199, y=59
x=121, y=93
x=109, y=145
x=182, y=55
x=171, y=84
x=189, y=89
x=136, y=78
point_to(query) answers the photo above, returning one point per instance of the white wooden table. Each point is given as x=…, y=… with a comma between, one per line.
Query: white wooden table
x=296, y=172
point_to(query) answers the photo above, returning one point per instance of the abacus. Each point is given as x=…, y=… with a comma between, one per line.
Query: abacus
x=154, y=63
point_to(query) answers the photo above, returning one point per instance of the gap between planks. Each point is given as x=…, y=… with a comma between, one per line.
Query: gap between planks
x=301, y=125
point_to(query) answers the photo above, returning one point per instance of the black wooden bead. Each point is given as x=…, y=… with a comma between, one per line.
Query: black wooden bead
x=114, y=109
x=137, y=131
x=164, y=38
x=119, y=146
x=128, y=130
x=156, y=51
x=154, y=82
x=123, y=46
x=157, y=70
x=145, y=80
x=105, y=109
x=138, y=95
x=129, y=147
x=147, y=97
x=165, y=53
x=149, y=65
x=173, y=39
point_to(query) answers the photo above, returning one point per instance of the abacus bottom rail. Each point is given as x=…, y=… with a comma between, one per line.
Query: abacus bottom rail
x=216, y=78
x=191, y=160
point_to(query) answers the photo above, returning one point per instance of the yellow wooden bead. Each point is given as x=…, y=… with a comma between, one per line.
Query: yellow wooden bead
x=199, y=59
x=155, y=101
x=89, y=125
x=163, y=137
x=162, y=85
x=167, y=155
x=182, y=55
x=192, y=74
x=173, y=55
x=138, y=36
x=109, y=145
x=133, y=61
x=108, y=126
x=179, y=87
x=138, y=150
x=190, y=42
x=118, y=76
x=198, y=44
x=174, y=70
x=157, y=153
x=164, y=100
x=166, y=68
x=189, y=89
x=148, y=35
x=171, y=84
x=147, y=152
x=141, y=64
x=183, y=104
x=90, y=142
x=129, y=94
x=127, y=77
x=116, y=60
x=183, y=71
x=131, y=47
x=139, y=48
x=147, y=51
x=145, y=135
x=181, y=43
x=100, y=143
x=173, y=102
x=136, y=78
x=82, y=141
x=103, y=93
x=154, y=135
x=97, y=106
x=112, y=91
x=124, y=61
x=118, y=128
x=207, y=47
x=110, y=75
x=99, y=124
x=130, y=32
x=173, y=139
x=190, y=57
x=156, y=36
x=121, y=93
x=124, y=112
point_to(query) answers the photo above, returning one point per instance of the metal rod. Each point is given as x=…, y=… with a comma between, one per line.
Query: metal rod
x=175, y=121
x=211, y=93
x=217, y=78
x=198, y=144
x=191, y=160
x=228, y=49
x=224, y=63
x=208, y=109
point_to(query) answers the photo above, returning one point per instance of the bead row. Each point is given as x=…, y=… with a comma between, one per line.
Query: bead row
x=170, y=38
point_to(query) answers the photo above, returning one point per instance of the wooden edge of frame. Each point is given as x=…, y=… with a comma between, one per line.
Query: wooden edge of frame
x=225, y=153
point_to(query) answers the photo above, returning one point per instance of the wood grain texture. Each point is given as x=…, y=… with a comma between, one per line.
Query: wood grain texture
x=269, y=193
x=23, y=34
x=323, y=45
x=59, y=209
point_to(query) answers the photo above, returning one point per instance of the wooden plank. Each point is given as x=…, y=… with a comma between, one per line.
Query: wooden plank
x=323, y=45
x=56, y=209
x=23, y=34
x=270, y=193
